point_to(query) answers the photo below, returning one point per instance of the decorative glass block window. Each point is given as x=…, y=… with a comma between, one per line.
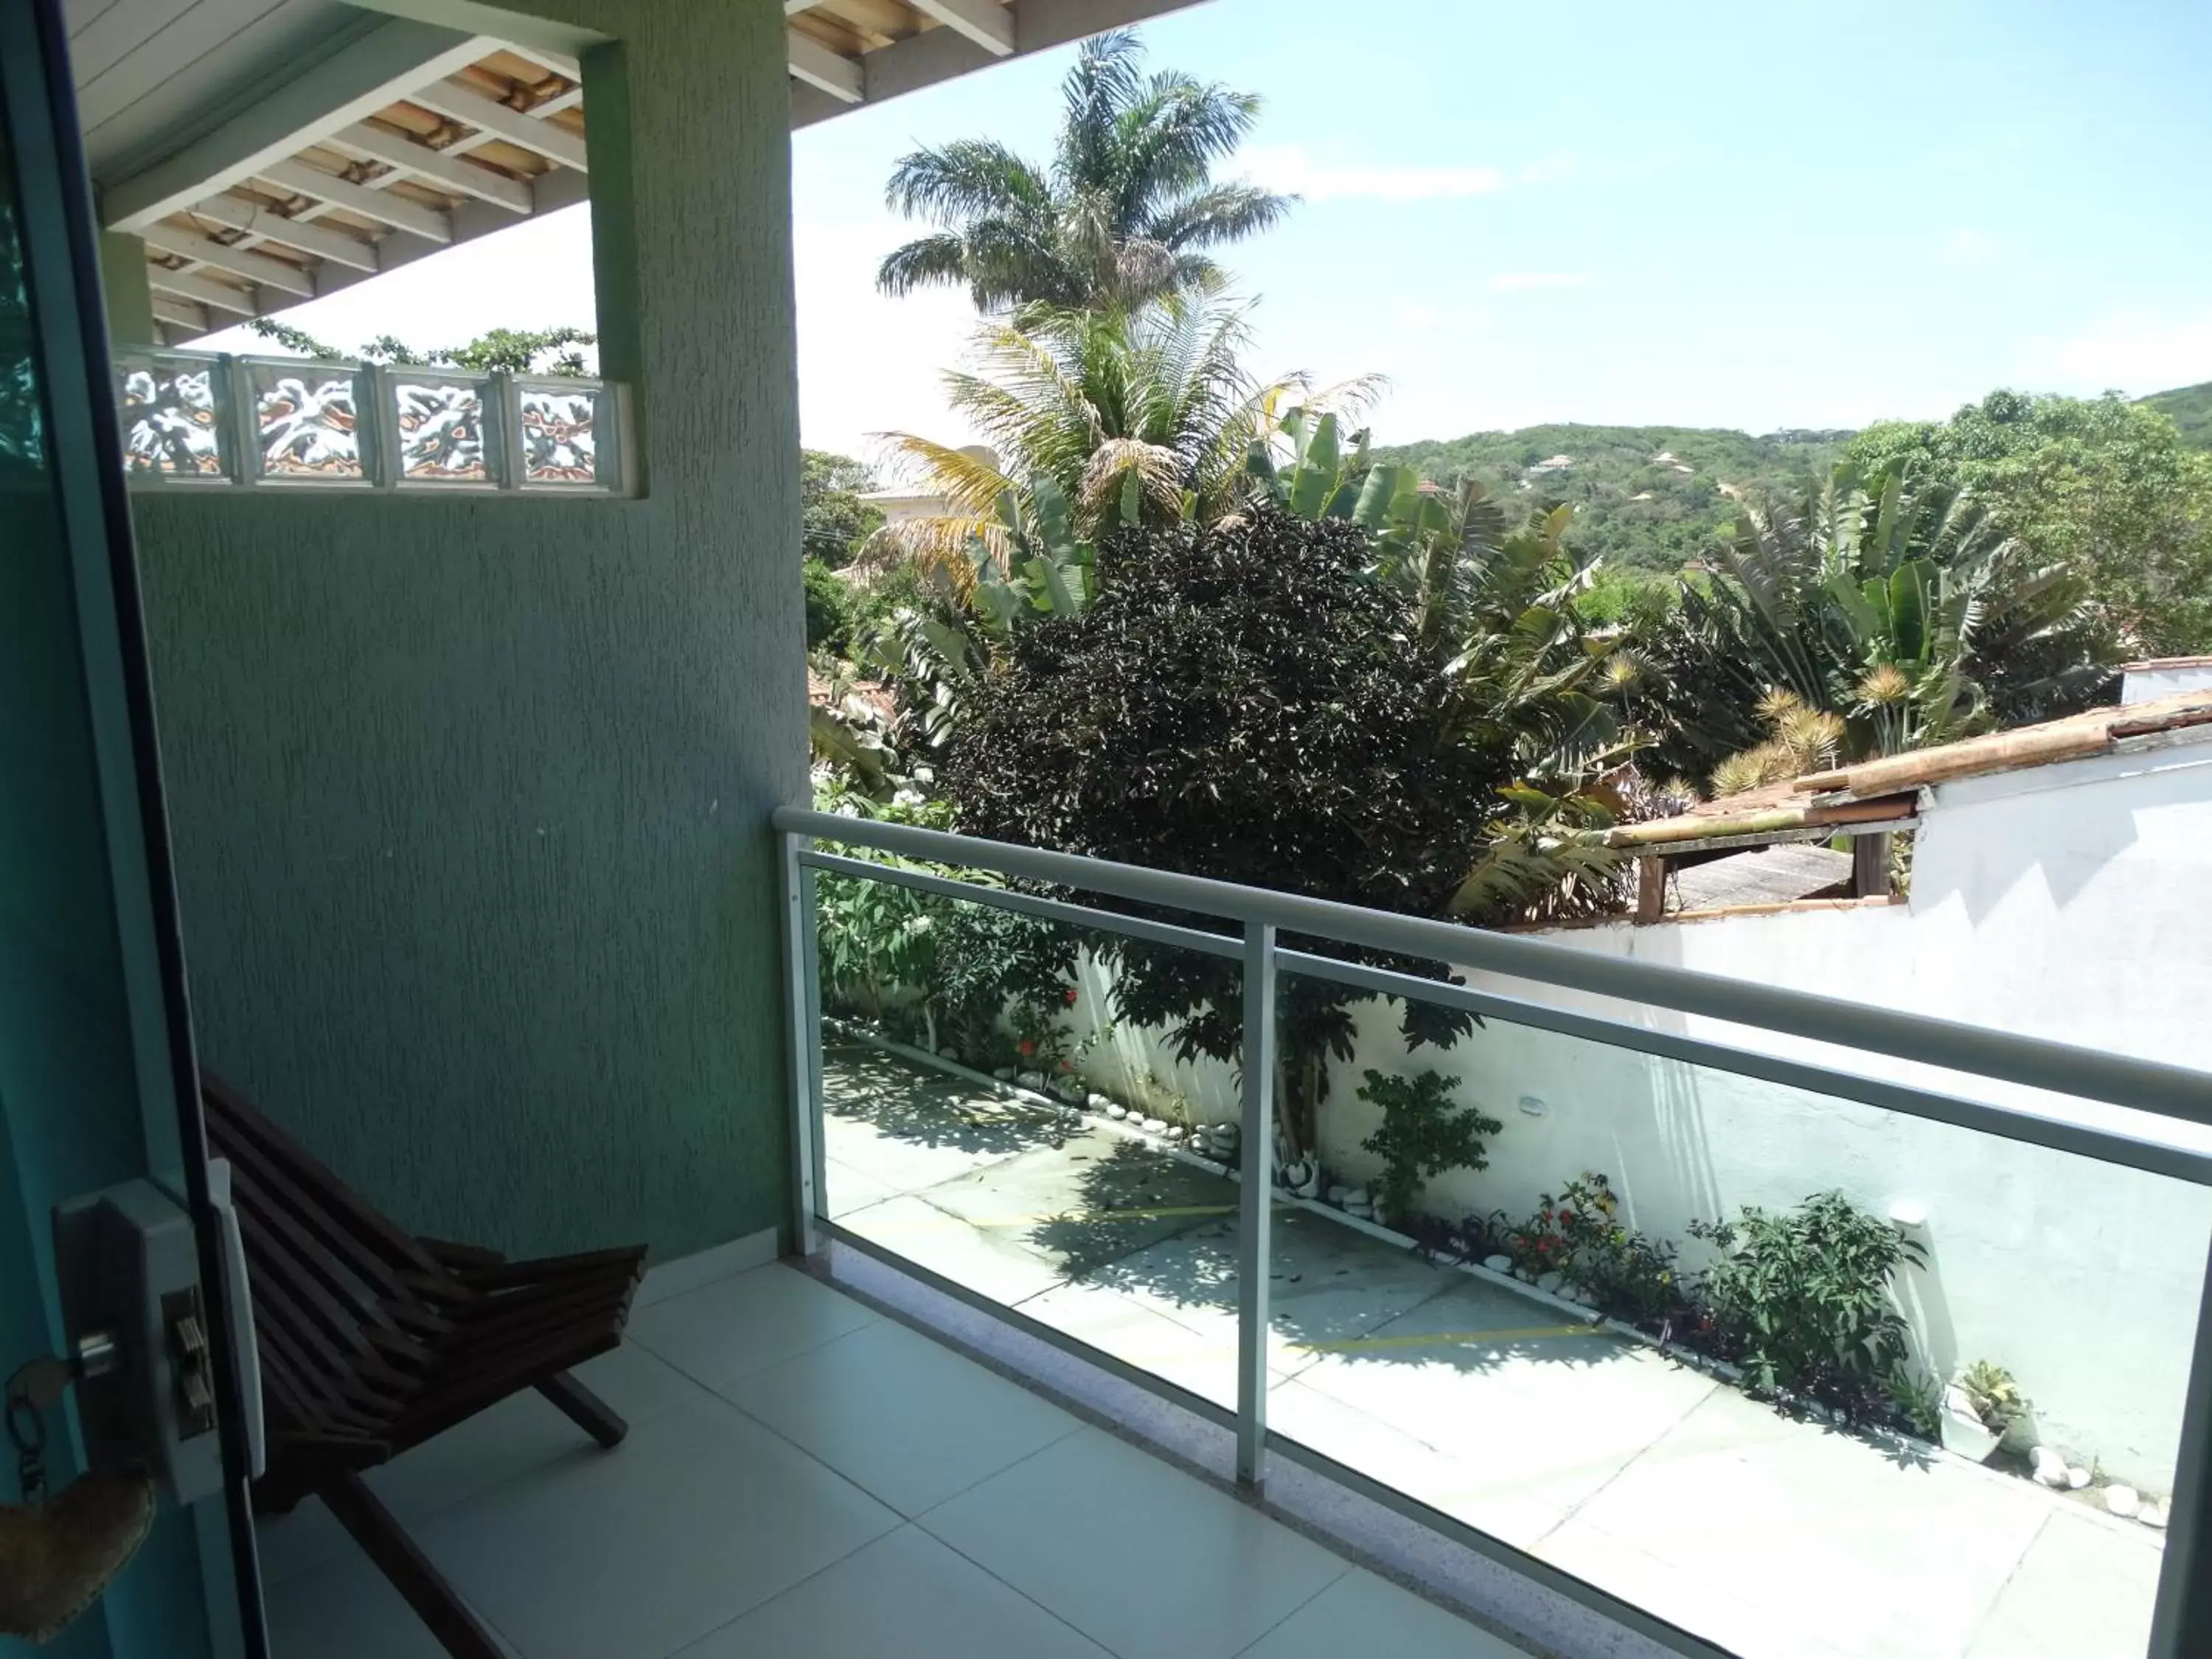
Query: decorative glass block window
x=306, y=419
x=174, y=405
x=194, y=417
x=441, y=426
x=558, y=423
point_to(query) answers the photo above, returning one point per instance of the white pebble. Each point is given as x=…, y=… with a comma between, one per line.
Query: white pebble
x=2122, y=1501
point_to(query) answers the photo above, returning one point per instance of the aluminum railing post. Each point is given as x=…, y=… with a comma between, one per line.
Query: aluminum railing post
x=1255, y=1203
x=2181, y=1620
x=802, y=1000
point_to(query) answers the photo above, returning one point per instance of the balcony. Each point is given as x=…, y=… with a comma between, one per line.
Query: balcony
x=806, y=1476
x=1628, y=1456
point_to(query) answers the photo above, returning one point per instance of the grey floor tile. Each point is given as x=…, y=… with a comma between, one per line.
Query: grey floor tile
x=1361, y=1614
x=904, y=1596
x=347, y=1610
x=1138, y=1556
x=698, y=1517
x=904, y=1418
x=523, y=1432
x=746, y=1323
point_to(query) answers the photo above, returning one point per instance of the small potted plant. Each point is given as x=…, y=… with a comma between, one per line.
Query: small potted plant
x=1981, y=1410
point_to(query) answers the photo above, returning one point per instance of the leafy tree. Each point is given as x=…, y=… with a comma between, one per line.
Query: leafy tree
x=1249, y=702
x=519, y=351
x=1896, y=606
x=829, y=609
x=835, y=522
x=2105, y=488
x=1126, y=212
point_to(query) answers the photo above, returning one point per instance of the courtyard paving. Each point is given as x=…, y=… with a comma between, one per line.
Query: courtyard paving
x=1775, y=1538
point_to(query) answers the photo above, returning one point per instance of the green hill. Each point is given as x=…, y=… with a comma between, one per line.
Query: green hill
x=2191, y=408
x=1646, y=498
x=1652, y=498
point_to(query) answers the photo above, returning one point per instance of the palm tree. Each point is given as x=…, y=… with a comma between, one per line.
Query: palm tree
x=1125, y=213
x=1143, y=417
x=1895, y=610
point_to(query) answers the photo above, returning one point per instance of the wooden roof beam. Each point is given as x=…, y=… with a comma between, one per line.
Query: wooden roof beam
x=400, y=212
x=214, y=295
x=264, y=224
x=256, y=267
x=529, y=128
x=443, y=169
x=985, y=22
x=826, y=71
x=372, y=73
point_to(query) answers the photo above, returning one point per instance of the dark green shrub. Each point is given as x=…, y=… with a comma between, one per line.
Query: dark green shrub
x=1803, y=1300
x=1424, y=1133
x=830, y=610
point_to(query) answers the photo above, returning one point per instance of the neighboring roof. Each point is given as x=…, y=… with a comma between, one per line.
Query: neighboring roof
x=1879, y=794
x=2018, y=750
x=2151, y=665
x=1770, y=875
x=1773, y=813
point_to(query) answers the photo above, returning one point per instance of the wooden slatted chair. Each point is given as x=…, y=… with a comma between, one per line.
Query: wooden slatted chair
x=372, y=1341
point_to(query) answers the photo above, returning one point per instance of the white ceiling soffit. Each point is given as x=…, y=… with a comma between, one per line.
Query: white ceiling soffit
x=416, y=137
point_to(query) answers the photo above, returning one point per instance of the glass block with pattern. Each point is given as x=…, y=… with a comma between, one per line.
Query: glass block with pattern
x=172, y=409
x=306, y=420
x=557, y=423
x=440, y=423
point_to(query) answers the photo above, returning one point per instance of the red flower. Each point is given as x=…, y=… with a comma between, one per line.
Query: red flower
x=1026, y=1047
x=1545, y=1245
x=1070, y=994
x=1066, y=1065
x=1566, y=1217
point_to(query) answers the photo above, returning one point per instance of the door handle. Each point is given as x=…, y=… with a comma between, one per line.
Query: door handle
x=127, y=1261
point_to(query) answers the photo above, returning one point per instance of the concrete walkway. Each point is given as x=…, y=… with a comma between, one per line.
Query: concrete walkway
x=1775, y=1538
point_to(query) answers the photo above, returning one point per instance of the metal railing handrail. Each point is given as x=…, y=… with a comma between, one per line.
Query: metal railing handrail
x=2167, y=1090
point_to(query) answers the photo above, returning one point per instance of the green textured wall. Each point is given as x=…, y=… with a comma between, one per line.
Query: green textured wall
x=470, y=796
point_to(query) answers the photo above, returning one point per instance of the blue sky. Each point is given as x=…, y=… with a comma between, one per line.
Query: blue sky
x=1757, y=216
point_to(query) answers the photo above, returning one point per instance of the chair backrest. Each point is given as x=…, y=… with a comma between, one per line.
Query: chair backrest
x=342, y=1297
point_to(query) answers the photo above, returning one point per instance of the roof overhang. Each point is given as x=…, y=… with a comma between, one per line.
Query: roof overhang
x=415, y=137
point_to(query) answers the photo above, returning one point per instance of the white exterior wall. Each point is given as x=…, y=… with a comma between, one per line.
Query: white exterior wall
x=2068, y=902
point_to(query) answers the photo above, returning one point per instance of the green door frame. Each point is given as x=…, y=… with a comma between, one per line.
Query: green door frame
x=99, y=1084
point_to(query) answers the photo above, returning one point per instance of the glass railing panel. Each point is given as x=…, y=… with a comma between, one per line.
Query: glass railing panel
x=1501, y=1293
x=982, y=1119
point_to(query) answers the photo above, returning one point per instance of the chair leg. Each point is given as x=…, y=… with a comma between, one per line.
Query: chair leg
x=436, y=1603
x=586, y=1409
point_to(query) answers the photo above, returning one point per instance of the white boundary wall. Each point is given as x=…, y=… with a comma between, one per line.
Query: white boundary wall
x=2070, y=902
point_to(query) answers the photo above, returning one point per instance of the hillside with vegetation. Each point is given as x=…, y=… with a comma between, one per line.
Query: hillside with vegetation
x=2189, y=409
x=1652, y=498
x=1646, y=498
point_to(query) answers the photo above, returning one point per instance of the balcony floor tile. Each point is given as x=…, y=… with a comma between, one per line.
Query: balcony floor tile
x=1133, y=1553
x=722, y=1331
x=905, y=1418
x=904, y=1596
x=699, y=1516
